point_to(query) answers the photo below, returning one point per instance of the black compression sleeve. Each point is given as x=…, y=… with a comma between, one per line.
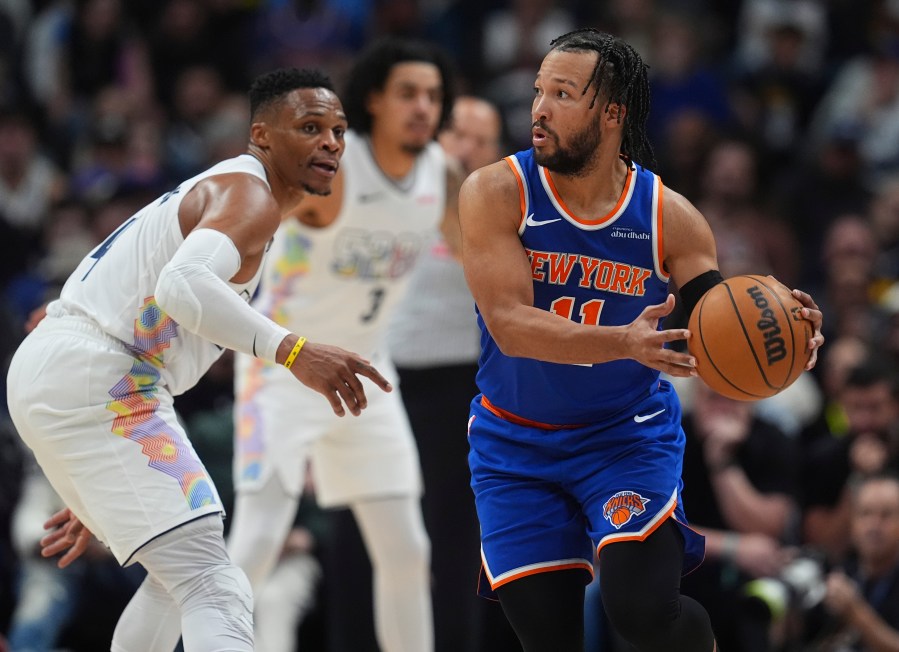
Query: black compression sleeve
x=693, y=290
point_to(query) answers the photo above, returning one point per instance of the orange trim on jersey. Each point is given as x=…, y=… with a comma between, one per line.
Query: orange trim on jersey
x=639, y=537
x=660, y=238
x=631, y=177
x=535, y=571
x=521, y=421
x=521, y=195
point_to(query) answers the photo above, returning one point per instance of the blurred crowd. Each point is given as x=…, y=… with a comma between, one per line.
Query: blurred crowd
x=778, y=119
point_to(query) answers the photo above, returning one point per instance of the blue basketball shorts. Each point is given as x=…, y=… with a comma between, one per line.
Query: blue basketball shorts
x=551, y=499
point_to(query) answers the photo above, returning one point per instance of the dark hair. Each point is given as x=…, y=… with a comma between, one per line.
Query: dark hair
x=373, y=67
x=620, y=76
x=272, y=86
x=871, y=372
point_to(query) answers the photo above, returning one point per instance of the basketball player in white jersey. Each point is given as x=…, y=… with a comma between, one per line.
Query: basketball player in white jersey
x=139, y=321
x=338, y=268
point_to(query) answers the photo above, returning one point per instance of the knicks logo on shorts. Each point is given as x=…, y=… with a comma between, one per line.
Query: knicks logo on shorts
x=622, y=507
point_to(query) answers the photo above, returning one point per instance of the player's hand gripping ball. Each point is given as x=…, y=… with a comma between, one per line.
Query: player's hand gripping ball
x=749, y=338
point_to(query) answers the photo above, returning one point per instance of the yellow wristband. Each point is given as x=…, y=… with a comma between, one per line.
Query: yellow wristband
x=294, y=352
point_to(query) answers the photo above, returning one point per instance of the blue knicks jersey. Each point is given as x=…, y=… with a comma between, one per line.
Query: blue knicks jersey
x=595, y=270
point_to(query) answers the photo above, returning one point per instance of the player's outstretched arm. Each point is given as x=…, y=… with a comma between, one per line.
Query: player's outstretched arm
x=332, y=372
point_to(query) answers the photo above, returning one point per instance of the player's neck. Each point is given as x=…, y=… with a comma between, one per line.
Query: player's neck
x=596, y=191
x=395, y=161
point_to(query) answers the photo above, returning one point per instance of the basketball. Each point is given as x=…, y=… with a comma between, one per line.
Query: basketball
x=749, y=338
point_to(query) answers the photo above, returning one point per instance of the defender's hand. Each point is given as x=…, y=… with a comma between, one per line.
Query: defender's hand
x=68, y=534
x=646, y=345
x=334, y=373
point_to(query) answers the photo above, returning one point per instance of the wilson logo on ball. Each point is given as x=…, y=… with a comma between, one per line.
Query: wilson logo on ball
x=775, y=347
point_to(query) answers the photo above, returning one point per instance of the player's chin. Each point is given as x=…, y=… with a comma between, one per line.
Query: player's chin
x=320, y=189
x=416, y=146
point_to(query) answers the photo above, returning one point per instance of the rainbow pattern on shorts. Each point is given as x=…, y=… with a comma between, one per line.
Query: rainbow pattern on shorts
x=249, y=443
x=292, y=264
x=135, y=403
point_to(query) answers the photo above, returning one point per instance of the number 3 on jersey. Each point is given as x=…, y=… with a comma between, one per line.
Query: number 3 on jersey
x=564, y=307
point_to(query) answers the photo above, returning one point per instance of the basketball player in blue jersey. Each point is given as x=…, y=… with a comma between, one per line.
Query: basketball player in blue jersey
x=141, y=319
x=576, y=443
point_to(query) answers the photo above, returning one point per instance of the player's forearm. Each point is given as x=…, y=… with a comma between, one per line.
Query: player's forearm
x=192, y=290
x=527, y=332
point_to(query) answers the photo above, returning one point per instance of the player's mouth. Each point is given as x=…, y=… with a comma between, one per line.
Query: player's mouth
x=539, y=135
x=420, y=129
x=325, y=167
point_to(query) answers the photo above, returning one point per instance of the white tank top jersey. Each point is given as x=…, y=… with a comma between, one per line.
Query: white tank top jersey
x=114, y=285
x=340, y=283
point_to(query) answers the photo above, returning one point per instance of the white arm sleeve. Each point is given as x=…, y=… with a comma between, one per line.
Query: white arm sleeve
x=193, y=289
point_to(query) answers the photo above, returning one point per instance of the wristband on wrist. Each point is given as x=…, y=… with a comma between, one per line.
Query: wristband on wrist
x=294, y=352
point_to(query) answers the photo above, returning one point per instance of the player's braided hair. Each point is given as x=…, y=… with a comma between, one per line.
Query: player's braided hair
x=272, y=86
x=373, y=67
x=621, y=77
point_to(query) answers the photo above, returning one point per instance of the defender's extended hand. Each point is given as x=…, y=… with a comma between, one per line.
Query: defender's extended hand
x=334, y=373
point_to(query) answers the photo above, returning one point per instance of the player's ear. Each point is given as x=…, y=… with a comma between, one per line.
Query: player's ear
x=616, y=112
x=260, y=134
x=373, y=102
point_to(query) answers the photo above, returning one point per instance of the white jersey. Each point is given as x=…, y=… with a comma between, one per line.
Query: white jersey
x=114, y=285
x=339, y=284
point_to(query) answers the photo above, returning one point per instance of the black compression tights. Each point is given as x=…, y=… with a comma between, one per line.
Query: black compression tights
x=640, y=584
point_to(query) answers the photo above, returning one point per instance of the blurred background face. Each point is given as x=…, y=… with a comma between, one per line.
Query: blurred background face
x=473, y=137
x=871, y=409
x=875, y=521
x=709, y=406
x=407, y=110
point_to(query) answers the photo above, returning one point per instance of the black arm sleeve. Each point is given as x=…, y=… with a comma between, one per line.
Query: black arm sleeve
x=693, y=290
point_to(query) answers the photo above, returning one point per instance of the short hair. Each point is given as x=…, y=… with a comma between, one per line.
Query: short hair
x=621, y=76
x=372, y=68
x=871, y=372
x=270, y=87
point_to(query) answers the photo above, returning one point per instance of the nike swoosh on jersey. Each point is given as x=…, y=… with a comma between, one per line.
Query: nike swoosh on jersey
x=530, y=221
x=640, y=418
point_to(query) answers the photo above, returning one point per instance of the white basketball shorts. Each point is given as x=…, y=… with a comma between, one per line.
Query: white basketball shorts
x=279, y=423
x=105, y=433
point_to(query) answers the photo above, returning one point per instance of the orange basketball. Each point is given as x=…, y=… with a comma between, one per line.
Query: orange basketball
x=749, y=338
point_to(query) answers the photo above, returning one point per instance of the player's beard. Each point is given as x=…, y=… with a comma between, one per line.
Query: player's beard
x=572, y=161
x=315, y=191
